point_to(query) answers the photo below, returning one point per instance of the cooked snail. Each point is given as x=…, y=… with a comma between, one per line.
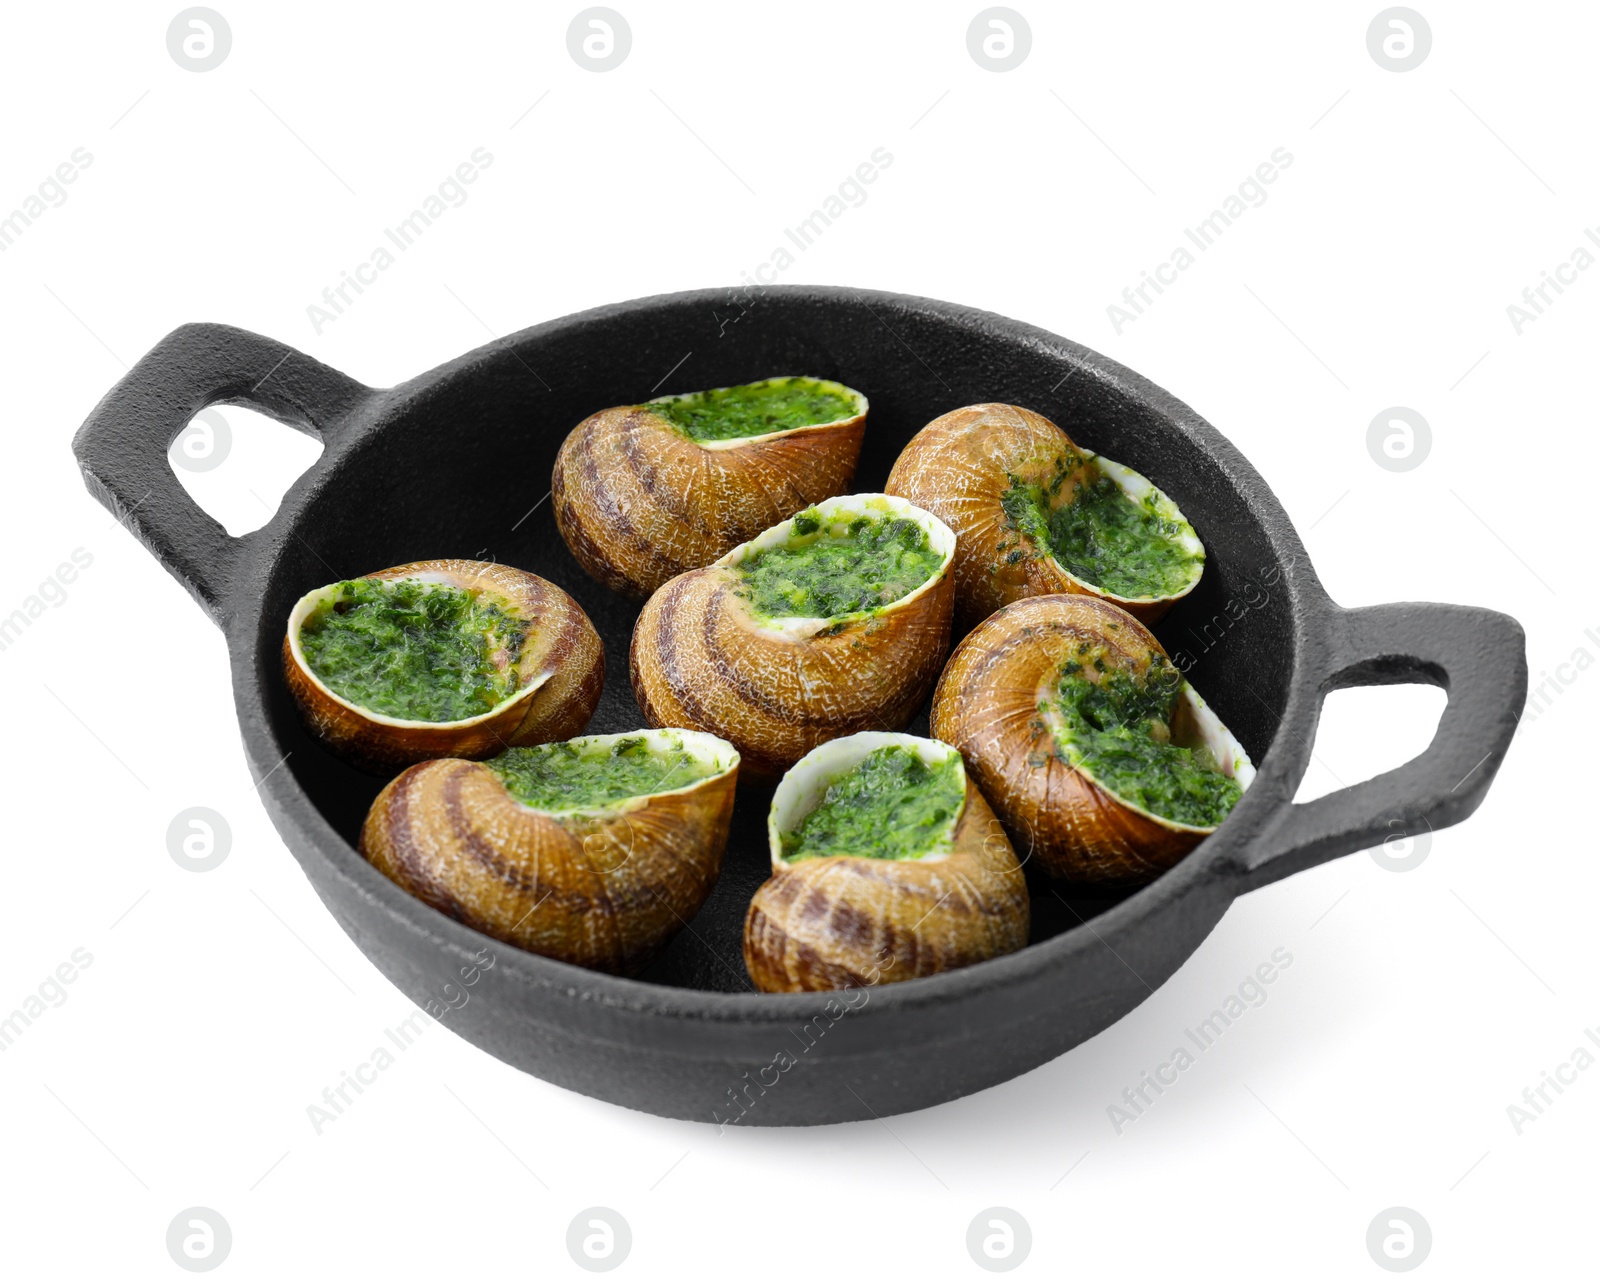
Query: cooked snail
x=594, y=851
x=1036, y=515
x=644, y=492
x=440, y=658
x=833, y=621
x=887, y=864
x=1101, y=760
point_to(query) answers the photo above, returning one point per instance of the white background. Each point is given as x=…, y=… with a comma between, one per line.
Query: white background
x=1378, y=272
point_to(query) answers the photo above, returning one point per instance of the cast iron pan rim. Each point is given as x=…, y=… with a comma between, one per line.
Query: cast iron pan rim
x=1215, y=860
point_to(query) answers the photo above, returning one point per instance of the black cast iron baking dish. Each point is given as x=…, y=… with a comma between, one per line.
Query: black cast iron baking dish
x=457, y=463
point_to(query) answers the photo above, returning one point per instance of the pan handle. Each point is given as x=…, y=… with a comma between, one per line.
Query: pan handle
x=1477, y=656
x=122, y=445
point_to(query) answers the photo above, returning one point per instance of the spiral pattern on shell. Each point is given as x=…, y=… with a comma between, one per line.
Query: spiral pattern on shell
x=825, y=924
x=561, y=670
x=995, y=705
x=605, y=890
x=639, y=502
x=960, y=466
x=699, y=658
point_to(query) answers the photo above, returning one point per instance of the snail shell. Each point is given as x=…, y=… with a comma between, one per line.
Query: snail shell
x=827, y=923
x=603, y=888
x=996, y=703
x=961, y=465
x=561, y=669
x=639, y=502
x=778, y=688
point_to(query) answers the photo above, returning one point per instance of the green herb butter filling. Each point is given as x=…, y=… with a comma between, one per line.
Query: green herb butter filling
x=592, y=775
x=1128, y=547
x=838, y=564
x=415, y=650
x=890, y=805
x=757, y=408
x=1116, y=727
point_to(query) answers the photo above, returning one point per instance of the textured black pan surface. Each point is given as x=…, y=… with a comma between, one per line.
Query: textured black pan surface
x=457, y=463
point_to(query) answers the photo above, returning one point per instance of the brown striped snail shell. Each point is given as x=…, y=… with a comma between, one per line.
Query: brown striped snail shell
x=700, y=658
x=561, y=669
x=604, y=888
x=995, y=703
x=639, y=502
x=828, y=923
x=961, y=465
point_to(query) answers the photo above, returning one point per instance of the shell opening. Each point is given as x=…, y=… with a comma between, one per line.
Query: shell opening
x=1158, y=754
x=824, y=395
x=611, y=772
x=1169, y=574
x=828, y=516
x=804, y=788
x=322, y=600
